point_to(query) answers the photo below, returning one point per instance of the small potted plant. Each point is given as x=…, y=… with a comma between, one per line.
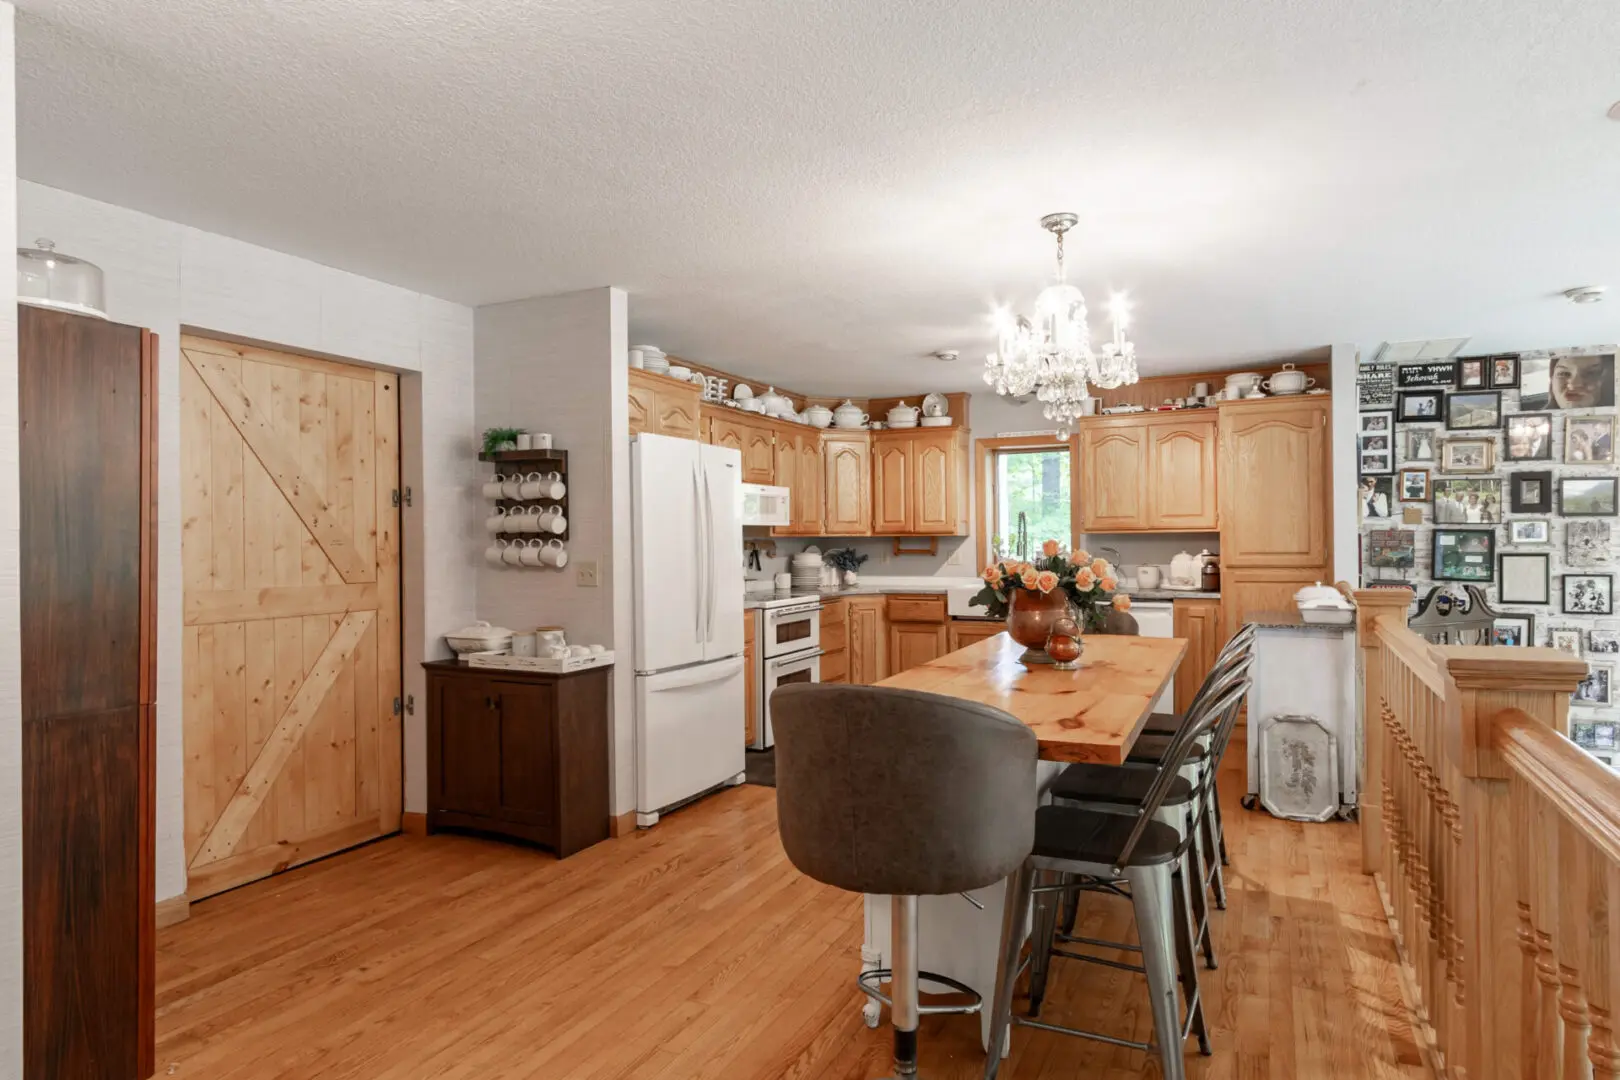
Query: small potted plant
x=848, y=562
x=1034, y=595
x=497, y=439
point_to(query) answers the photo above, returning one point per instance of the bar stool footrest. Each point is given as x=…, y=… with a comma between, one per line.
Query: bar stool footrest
x=869, y=980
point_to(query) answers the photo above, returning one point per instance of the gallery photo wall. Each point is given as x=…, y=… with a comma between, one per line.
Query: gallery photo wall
x=1500, y=472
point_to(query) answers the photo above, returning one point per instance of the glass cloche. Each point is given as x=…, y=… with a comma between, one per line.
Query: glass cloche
x=47, y=278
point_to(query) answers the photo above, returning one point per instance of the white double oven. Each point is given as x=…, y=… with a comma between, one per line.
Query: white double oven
x=787, y=650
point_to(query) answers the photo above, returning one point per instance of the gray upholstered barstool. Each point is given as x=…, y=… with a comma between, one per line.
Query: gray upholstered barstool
x=906, y=794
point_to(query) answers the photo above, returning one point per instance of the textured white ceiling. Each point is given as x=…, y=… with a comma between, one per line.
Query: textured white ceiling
x=823, y=193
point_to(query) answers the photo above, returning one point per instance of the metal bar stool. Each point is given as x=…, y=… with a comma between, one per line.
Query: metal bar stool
x=1144, y=854
x=905, y=794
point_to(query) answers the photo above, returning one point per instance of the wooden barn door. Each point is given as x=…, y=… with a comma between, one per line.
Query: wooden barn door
x=291, y=645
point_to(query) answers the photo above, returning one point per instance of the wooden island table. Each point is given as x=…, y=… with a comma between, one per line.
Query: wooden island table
x=1092, y=714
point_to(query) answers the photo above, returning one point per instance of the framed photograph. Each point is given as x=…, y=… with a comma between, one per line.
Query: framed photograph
x=1586, y=544
x=1567, y=381
x=1473, y=411
x=1419, y=406
x=1377, y=423
x=1375, y=464
x=1530, y=531
x=1595, y=690
x=1464, y=554
x=1377, y=496
x=1375, y=386
x=1392, y=549
x=1419, y=444
x=1589, y=440
x=1529, y=436
x=1504, y=371
x=1519, y=630
x=1603, y=642
x=1471, y=373
x=1467, y=502
x=1413, y=484
x=1468, y=456
x=1588, y=594
x=1524, y=579
x=1588, y=496
x=1564, y=639
x=1437, y=373
x=1530, y=492
x=1375, y=443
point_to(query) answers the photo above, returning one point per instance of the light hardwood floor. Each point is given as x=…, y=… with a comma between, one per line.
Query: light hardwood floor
x=695, y=950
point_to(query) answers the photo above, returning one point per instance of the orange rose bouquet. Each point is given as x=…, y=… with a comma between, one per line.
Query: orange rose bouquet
x=1090, y=584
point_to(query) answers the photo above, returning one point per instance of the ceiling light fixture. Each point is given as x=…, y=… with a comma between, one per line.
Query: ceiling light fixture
x=1614, y=111
x=1585, y=294
x=1052, y=358
x=947, y=356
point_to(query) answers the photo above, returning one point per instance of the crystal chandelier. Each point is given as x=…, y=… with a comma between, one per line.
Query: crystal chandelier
x=1053, y=358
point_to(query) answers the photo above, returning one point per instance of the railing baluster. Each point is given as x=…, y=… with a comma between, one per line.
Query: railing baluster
x=1603, y=964
x=1529, y=984
x=1570, y=942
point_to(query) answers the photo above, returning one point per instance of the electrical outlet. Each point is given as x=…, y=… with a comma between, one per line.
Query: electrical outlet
x=585, y=574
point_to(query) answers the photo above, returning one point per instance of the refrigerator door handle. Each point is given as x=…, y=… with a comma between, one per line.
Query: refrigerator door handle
x=708, y=554
x=697, y=583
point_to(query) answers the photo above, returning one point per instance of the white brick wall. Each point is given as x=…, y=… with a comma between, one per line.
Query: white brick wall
x=163, y=276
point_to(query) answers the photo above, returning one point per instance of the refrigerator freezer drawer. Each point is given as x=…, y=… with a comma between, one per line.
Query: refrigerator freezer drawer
x=689, y=732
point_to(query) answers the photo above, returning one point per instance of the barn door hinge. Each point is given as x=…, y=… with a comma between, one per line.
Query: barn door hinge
x=405, y=499
x=399, y=706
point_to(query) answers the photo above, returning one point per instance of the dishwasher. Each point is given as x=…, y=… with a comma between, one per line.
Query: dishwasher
x=1156, y=618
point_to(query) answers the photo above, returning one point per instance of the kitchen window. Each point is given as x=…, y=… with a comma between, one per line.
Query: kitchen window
x=1032, y=481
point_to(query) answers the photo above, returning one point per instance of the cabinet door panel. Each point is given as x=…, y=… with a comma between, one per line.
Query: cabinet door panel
x=759, y=455
x=469, y=746
x=932, y=467
x=965, y=632
x=1199, y=622
x=809, y=477
x=677, y=414
x=868, y=645
x=1181, y=480
x=848, y=487
x=750, y=680
x=726, y=433
x=528, y=750
x=1245, y=591
x=911, y=644
x=1274, y=484
x=891, y=487
x=787, y=473
x=643, y=402
x=1113, y=478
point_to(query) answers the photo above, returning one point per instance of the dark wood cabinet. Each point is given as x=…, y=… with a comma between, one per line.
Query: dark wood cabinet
x=87, y=412
x=519, y=754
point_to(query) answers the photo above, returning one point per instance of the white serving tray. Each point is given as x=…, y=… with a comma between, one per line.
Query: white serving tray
x=544, y=664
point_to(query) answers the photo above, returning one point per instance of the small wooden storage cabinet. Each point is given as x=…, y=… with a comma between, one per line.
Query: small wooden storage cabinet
x=1148, y=472
x=520, y=754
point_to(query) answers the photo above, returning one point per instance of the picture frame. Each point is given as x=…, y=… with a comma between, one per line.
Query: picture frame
x=1467, y=501
x=1516, y=630
x=1474, y=411
x=1589, y=440
x=1565, y=639
x=1529, y=531
x=1586, y=543
x=1529, y=436
x=1504, y=371
x=1603, y=642
x=1588, y=594
x=1524, y=578
x=1392, y=549
x=1530, y=492
x=1568, y=380
x=1419, y=443
x=1412, y=485
x=1464, y=456
x=1465, y=555
x=1470, y=373
x=1596, y=691
x=1375, y=497
x=1431, y=373
x=1588, y=496
x=1419, y=406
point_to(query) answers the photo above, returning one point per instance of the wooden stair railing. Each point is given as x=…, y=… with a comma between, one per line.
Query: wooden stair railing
x=1495, y=843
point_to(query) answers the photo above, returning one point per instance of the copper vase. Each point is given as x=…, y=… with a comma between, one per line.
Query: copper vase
x=1030, y=619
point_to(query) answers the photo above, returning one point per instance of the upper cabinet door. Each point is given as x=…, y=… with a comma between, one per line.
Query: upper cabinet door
x=1274, y=483
x=891, y=486
x=677, y=414
x=848, y=497
x=722, y=432
x=809, y=478
x=1181, y=479
x=787, y=475
x=643, y=400
x=933, y=476
x=758, y=454
x=1113, y=476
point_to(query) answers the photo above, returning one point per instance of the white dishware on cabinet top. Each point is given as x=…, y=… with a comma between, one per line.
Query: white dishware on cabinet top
x=479, y=637
x=1240, y=383
x=935, y=421
x=753, y=405
x=903, y=416
x=637, y=358
x=679, y=372
x=849, y=415
x=742, y=392
x=818, y=416
x=935, y=404
x=1290, y=380
x=775, y=404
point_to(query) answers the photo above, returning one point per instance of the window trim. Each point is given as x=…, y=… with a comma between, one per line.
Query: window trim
x=984, y=451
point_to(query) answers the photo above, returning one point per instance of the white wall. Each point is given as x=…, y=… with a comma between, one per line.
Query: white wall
x=1346, y=547
x=163, y=276
x=558, y=364
x=10, y=563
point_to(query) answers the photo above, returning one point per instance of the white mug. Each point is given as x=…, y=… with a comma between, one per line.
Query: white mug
x=525, y=441
x=552, y=486
x=530, y=555
x=579, y=650
x=493, y=489
x=521, y=521
x=553, y=521
x=597, y=650
x=554, y=652
x=533, y=486
x=524, y=643
x=496, y=522
x=512, y=554
x=551, y=636
x=495, y=551
x=554, y=553
x=540, y=441
x=512, y=486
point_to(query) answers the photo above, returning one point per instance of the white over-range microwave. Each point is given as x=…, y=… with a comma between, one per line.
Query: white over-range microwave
x=764, y=504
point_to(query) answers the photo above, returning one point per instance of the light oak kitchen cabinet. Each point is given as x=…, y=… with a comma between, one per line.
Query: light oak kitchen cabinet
x=868, y=639
x=750, y=680
x=1198, y=620
x=965, y=632
x=663, y=406
x=918, y=631
x=754, y=439
x=835, y=641
x=798, y=468
x=1149, y=472
x=920, y=483
x=1275, y=503
x=847, y=480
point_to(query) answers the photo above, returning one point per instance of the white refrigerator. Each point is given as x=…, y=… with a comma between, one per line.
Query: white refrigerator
x=686, y=504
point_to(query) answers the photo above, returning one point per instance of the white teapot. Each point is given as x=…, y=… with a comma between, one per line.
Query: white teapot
x=903, y=415
x=1184, y=569
x=849, y=415
x=775, y=404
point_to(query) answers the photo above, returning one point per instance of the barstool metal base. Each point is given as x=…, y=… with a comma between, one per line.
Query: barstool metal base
x=868, y=982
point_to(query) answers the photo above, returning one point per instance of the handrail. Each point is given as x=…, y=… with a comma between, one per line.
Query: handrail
x=1578, y=786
